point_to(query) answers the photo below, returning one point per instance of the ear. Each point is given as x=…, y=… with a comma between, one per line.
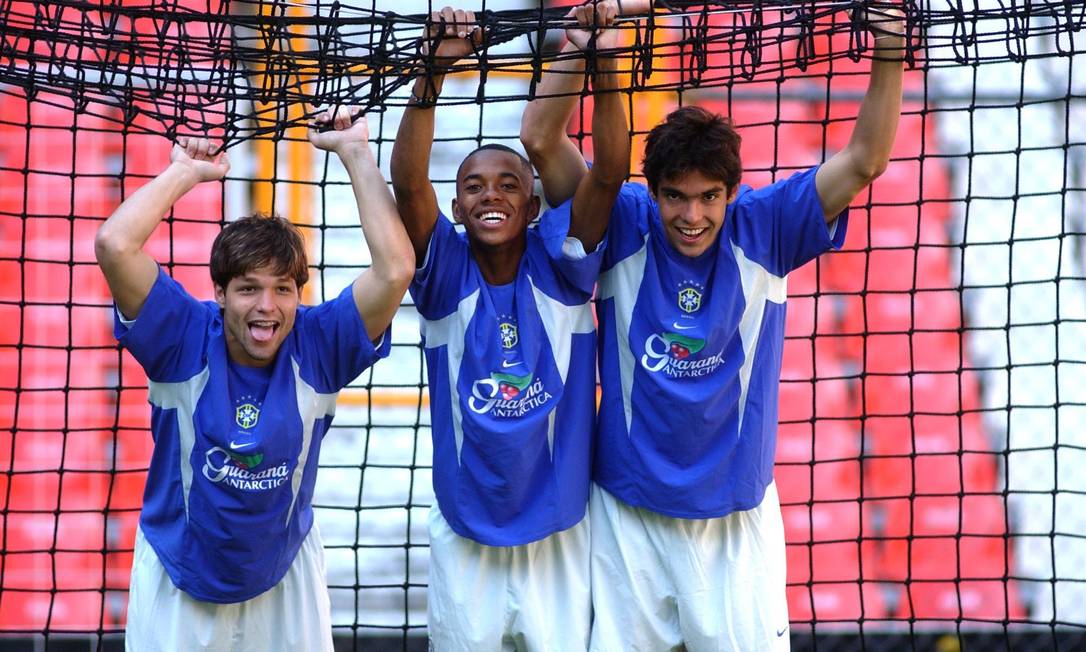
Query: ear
x=533, y=207
x=220, y=296
x=456, y=212
x=733, y=194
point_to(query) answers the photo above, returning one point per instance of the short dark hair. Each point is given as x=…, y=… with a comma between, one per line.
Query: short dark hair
x=692, y=138
x=501, y=148
x=257, y=241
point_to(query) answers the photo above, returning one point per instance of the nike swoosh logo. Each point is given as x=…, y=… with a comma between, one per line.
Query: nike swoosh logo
x=780, y=632
x=234, y=446
x=506, y=364
x=681, y=328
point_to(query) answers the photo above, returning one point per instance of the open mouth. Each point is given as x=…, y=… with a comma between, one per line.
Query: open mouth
x=263, y=331
x=691, y=234
x=493, y=218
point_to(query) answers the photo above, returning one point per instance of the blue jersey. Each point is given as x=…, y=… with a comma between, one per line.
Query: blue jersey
x=690, y=349
x=512, y=384
x=229, y=491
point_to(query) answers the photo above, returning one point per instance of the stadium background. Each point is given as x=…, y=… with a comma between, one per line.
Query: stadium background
x=933, y=390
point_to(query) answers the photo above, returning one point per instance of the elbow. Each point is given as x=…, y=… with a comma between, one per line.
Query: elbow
x=874, y=170
x=532, y=137
x=400, y=270
x=109, y=246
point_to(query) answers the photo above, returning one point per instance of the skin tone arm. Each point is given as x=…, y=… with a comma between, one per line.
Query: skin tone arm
x=867, y=154
x=596, y=191
x=379, y=289
x=410, y=164
x=543, y=127
x=118, y=245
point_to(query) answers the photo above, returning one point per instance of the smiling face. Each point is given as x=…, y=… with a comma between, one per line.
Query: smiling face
x=692, y=209
x=259, y=308
x=494, y=199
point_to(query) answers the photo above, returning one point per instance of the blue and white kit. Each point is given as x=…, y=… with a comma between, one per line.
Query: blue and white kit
x=228, y=497
x=512, y=384
x=690, y=349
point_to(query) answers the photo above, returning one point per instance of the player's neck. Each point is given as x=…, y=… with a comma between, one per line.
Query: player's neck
x=499, y=264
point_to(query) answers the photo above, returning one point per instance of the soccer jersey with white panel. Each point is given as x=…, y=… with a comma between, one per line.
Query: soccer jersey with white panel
x=229, y=490
x=512, y=384
x=690, y=349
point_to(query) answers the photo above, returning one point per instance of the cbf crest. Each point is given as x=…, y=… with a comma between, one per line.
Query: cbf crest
x=246, y=415
x=690, y=294
x=507, y=330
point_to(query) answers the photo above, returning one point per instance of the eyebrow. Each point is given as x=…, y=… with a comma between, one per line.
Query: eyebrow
x=506, y=173
x=714, y=190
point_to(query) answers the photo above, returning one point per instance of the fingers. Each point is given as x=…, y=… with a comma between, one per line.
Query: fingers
x=595, y=14
x=198, y=149
x=338, y=118
x=453, y=23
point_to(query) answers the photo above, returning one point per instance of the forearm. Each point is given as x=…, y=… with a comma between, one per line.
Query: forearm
x=131, y=225
x=610, y=132
x=595, y=196
x=876, y=124
x=390, y=250
x=410, y=166
x=118, y=246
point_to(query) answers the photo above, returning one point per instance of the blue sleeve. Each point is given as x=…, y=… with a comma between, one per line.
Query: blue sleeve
x=567, y=253
x=333, y=342
x=781, y=226
x=444, y=272
x=169, y=336
x=629, y=223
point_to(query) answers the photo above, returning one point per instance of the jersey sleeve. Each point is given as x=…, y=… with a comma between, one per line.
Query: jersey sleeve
x=629, y=223
x=169, y=336
x=334, y=342
x=567, y=253
x=443, y=273
x=782, y=225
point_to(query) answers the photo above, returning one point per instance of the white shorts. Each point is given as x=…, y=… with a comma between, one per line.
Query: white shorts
x=663, y=583
x=487, y=598
x=295, y=614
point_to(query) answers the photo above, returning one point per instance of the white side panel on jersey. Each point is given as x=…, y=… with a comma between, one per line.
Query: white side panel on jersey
x=312, y=405
x=450, y=331
x=621, y=283
x=181, y=397
x=759, y=286
x=559, y=323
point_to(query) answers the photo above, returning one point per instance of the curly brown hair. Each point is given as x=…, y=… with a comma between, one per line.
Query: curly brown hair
x=692, y=138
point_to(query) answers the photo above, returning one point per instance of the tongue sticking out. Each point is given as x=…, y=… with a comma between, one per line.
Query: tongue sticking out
x=260, y=332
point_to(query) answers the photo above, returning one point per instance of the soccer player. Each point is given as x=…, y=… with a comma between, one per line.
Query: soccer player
x=687, y=538
x=242, y=391
x=509, y=341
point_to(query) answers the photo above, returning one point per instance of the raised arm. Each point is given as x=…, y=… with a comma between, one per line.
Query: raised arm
x=867, y=154
x=543, y=126
x=379, y=289
x=118, y=245
x=456, y=33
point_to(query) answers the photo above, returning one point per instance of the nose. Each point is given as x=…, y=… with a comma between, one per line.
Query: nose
x=690, y=212
x=265, y=301
x=490, y=193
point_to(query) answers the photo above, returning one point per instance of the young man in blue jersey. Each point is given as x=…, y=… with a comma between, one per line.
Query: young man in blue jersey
x=687, y=538
x=509, y=341
x=242, y=392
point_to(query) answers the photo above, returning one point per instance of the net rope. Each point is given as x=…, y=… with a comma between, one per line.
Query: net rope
x=934, y=380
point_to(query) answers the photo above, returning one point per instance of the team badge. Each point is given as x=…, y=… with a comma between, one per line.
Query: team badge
x=507, y=330
x=246, y=415
x=690, y=296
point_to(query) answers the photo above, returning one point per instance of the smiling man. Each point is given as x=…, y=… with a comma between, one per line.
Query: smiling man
x=510, y=343
x=242, y=391
x=687, y=538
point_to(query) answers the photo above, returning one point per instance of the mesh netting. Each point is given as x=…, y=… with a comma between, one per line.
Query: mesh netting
x=934, y=382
